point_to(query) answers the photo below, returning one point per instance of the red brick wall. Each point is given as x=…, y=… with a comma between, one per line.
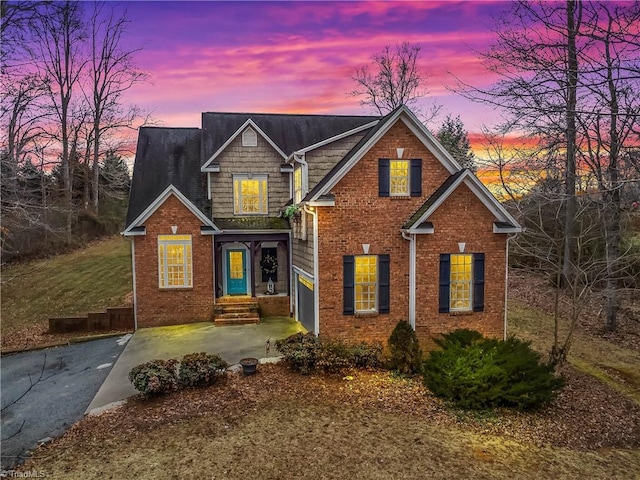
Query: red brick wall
x=156, y=306
x=360, y=216
x=462, y=218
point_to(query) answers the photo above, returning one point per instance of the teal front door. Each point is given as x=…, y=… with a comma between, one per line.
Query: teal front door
x=236, y=272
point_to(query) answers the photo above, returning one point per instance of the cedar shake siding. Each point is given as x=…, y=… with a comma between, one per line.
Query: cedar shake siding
x=157, y=306
x=323, y=159
x=238, y=160
x=303, y=249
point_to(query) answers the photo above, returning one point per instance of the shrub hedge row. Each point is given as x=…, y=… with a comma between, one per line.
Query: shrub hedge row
x=162, y=376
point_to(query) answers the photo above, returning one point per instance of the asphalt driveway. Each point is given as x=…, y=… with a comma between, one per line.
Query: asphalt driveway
x=44, y=392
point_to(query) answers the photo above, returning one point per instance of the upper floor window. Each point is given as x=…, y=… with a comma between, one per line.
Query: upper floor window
x=250, y=195
x=174, y=261
x=297, y=185
x=399, y=178
x=249, y=138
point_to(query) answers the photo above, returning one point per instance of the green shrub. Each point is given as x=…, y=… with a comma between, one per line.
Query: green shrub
x=155, y=377
x=305, y=353
x=365, y=355
x=300, y=351
x=488, y=373
x=200, y=369
x=406, y=356
x=462, y=337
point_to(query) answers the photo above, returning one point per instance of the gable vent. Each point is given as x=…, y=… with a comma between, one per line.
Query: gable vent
x=249, y=138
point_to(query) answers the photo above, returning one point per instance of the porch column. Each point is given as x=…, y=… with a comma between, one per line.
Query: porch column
x=252, y=255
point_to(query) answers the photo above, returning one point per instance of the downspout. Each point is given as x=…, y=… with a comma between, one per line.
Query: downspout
x=133, y=272
x=300, y=158
x=292, y=277
x=506, y=283
x=316, y=269
x=412, y=276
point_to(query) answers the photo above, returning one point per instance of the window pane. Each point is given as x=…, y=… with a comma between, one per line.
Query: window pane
x=250, y=196
x=174, y=261
x=399, y=177
x=460, y=282
x=366, y=282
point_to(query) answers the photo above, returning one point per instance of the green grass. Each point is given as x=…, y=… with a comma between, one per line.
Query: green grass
x=610, y=363
x=86, y=280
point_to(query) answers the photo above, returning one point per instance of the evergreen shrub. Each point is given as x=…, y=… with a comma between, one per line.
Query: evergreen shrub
x=404, y=348
x=479, y=373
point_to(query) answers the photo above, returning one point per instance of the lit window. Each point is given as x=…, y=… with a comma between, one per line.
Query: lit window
x=249, y=138
x=250, y=195
x=366, y=283
x=399, y=177
x=174, y=261
x=297, y=185
x=460, y=282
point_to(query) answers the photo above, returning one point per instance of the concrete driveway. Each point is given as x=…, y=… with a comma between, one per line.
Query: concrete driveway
x=231, y=342
x=44, y=392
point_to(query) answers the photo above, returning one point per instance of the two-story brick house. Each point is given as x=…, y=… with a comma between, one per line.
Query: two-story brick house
x=389, y=226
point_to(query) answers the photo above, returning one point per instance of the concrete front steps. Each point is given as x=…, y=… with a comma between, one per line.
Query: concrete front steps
x=240, y=310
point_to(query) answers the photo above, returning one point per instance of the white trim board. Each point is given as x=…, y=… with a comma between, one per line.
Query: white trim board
x=418, y=129
x=480, y=191
x=246, y=124
x=150, y=210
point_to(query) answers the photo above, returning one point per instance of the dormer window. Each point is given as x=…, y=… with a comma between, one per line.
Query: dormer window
x=249, y=138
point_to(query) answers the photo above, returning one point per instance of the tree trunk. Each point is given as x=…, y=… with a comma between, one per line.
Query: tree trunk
x=570, y=171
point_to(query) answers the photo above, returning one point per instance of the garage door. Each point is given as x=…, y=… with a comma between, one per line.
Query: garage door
x=306, y=310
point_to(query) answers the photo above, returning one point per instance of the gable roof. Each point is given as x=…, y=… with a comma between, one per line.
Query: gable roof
x=166, y=157
x=402, y=113
x=286, y=132
x=505, y=223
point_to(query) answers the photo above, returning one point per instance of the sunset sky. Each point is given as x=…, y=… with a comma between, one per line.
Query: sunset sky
x=297, y=57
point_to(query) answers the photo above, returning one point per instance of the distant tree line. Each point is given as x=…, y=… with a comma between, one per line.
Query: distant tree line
x=65, y=68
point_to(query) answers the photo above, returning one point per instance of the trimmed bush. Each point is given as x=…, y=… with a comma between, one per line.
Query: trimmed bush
x=406, y=356
x=200, y=369
x=305, y=353
x=478, y=373
x=155, y=377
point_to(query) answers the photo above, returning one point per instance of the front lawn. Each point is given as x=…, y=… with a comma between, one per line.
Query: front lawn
x=278, y=424
x=86, y=280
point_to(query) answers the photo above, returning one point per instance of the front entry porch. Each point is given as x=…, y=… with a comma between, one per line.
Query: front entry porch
x=252, y=277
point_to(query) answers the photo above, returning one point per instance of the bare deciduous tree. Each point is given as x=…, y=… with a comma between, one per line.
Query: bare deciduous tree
x=392, y=80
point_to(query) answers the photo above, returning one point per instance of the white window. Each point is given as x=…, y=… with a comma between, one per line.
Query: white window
x=297, y=185
x=174, y=261
x=249, y=138
x=366, y=283
x=460, y=286
x=399, y=178
x=250, y=195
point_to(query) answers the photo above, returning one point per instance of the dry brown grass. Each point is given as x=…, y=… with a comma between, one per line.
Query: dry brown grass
x=278, y=424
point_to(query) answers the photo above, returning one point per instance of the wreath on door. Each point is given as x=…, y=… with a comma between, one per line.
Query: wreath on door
x=269, y=264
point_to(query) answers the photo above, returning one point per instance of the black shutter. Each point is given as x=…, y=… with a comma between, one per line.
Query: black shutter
x=478, y=282
x=416, y=177
x=383, y=177
x=445, y=269
x=384, y=266
x=348, y=292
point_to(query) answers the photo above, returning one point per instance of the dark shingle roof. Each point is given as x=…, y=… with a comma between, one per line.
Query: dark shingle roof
x=288, y=132
x=167, y=156
x=435, y=196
